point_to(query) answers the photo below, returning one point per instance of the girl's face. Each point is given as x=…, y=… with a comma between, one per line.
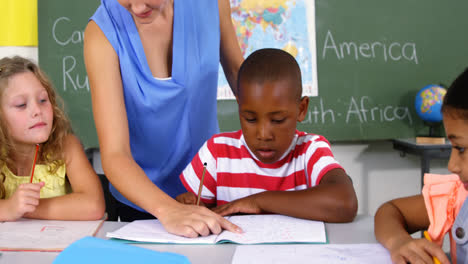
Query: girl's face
x=26, y=109
x=144, y=11
x=456, y=129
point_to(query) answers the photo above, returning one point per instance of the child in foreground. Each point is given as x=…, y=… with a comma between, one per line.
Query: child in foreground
x=269, y=166
x=64, y=185
x=442, y=206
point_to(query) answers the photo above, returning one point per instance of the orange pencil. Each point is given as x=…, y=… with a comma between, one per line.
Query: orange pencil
x=426, y=235
x=34, y=163
x=201, y=183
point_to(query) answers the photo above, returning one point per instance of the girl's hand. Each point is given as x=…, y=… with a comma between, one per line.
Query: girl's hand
x=24, y=200
x=417, y=251
x=246, y=205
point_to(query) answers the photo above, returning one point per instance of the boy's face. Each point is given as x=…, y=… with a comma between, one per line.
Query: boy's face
x=268, y=113
x=457, y=132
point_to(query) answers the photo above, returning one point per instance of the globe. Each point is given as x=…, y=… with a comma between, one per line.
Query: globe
x=428, y=103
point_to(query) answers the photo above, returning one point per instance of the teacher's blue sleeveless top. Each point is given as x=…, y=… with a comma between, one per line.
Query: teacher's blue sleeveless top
x=168, y=120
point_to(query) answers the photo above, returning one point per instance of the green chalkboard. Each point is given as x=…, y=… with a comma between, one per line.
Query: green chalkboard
x=372, y=58
x=60, y=30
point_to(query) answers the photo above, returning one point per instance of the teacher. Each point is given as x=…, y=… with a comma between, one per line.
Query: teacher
x=153, y=72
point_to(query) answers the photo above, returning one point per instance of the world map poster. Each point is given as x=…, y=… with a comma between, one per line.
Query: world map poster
x=284, y=24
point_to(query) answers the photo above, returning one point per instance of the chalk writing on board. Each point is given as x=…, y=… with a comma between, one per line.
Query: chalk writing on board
x=76, y=37
x=361, y=109
x=394, y=51
x=68, y=69
x=70, y=75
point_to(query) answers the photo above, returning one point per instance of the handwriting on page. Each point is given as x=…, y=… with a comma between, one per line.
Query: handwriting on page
x=257, y=229
x=275, y=229
x=44, y=234
x=153, y=231
x=329, y=253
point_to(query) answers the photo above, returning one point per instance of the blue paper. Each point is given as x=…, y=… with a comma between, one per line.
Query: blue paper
x=95, y=250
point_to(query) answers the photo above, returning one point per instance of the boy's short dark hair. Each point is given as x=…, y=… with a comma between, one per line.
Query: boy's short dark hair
x=269, y=65
x=456, y=97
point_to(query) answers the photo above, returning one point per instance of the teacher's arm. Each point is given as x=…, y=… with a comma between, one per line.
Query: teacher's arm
x=333, y=200
x=102, y=66
x=231, y=55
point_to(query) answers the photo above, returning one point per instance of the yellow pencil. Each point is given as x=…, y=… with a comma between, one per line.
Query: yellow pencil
x=426, y=235
x=201, y=183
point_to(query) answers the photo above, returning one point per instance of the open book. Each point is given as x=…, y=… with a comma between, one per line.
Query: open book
x=258, y=229
x=44, y=235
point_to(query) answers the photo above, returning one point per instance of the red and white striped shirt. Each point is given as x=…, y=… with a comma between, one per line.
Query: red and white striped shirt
x=233, y=172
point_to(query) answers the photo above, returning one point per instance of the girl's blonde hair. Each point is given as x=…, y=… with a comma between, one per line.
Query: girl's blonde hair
x=51, y=151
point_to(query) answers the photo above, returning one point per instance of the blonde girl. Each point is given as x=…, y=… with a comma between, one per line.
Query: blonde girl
x=64, y=185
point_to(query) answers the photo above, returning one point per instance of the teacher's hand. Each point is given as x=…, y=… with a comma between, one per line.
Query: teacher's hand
x=193, y=221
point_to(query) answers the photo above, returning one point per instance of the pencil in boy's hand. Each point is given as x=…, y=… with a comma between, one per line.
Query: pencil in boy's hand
x=426, y=235
x=34, y=163
x=201, y=184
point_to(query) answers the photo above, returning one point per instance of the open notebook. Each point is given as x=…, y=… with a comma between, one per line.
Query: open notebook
x=322, y=253
x=258, y=229
x=44, y=235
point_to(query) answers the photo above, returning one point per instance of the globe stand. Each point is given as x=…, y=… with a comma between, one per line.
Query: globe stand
x=434, y=136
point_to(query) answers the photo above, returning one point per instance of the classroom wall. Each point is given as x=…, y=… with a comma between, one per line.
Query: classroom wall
x=378, y=171
x=27, y=52
x=18, y=27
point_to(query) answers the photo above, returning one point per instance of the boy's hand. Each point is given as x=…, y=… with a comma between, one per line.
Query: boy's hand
x=417, y=251
x=246, y=205
x=24, y=200
x=188, y=198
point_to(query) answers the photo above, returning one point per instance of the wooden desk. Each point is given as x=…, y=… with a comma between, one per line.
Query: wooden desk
x=361, y=230
x=426, y=151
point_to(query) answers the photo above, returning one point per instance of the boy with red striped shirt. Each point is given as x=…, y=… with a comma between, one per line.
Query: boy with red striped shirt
x=269, y=166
